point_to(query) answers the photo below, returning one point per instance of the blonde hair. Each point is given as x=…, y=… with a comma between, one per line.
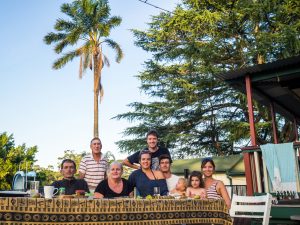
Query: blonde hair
x=184, y=181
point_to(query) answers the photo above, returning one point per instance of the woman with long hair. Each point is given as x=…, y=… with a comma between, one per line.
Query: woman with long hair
x=145, y=179
x=215, y=189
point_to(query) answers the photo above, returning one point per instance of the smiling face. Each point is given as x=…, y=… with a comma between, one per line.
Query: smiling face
x=208, y=169
x=115, y=171
x=152, y=141
x=96, y=146
x=145, y=160
x=68, y=170
x=164, y=165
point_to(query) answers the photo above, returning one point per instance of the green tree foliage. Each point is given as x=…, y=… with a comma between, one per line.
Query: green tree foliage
x=89, y=26
x=13, y=158
x=194, y=112
x=46, y=175
x=70, y=154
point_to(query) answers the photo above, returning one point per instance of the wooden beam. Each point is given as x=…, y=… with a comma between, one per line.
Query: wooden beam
x=250, y=110
x=248, y=173
x=296, y=129
x=274, y=125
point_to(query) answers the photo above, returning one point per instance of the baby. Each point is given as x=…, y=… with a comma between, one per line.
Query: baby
x=180, y=187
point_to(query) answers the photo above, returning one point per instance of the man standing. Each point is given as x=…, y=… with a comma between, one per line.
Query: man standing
x=68, y=169
x=93, y=166
x=165, y=168
x=156, y=151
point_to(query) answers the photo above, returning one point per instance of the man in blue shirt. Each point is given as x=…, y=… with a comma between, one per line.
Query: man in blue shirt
x=156, y=151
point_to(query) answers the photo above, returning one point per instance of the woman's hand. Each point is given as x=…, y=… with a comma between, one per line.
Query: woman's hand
x=98, y=195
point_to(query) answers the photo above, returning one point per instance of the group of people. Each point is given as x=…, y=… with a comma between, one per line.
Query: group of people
x=153, y=169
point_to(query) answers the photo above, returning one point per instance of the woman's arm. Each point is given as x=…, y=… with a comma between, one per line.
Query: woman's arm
x=223, y=192
x=98, y=195
x=203, y=194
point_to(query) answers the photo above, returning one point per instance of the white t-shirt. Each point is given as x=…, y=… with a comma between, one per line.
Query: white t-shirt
x=172, y=181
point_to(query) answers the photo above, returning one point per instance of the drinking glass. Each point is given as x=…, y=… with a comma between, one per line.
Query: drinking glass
x=156, y=191
x=34, y=188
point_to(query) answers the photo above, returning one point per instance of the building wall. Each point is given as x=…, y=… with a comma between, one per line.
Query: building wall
x=236, y=180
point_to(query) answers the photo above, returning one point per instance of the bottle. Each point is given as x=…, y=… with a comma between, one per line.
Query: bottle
x=278, y=195
x=284, y=195
x=62, y=191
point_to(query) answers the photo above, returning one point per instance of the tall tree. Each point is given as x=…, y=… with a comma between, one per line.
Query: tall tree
x=195, y=113
x=89, y=26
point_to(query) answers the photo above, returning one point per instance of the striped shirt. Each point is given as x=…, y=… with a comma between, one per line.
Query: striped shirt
x=212, y=191
x=94, y=172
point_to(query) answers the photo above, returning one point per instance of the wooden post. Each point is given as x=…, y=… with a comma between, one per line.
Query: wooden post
x=248, y=173
x=248, y=164
x=274, y=126
x=250, y=110
x=296, y=129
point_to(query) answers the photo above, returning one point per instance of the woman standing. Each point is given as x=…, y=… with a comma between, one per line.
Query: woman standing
x=215, y=189
x=145, y=179
x=114, y=185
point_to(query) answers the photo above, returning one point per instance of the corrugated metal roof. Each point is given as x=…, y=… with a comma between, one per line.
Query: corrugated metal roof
x=261, y=68
x=277, y=82
x=232, y=163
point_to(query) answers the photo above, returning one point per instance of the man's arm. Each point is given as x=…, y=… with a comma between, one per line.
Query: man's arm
x=82, y=169
x=81, y=175
x=127, y=163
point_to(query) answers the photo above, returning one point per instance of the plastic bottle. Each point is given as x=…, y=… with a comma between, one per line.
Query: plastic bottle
x=62, y=191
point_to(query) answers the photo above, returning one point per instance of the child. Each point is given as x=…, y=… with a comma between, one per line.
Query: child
x=196, y=186
x=180, y=187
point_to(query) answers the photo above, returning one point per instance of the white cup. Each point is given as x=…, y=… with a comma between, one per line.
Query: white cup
x=50, y=191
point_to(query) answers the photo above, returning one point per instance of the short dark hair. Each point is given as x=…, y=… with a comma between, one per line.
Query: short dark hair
x=145, y=151
x=152, y=132
x=68, y=161
x=164, y=156
x=197, y=174
x=96, y=138
x=206, y=160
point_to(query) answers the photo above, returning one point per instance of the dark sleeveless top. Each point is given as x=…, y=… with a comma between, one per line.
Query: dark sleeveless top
x=212, y=191
x=144, y=185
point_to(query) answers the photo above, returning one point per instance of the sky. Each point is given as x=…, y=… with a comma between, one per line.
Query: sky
x=53, y=109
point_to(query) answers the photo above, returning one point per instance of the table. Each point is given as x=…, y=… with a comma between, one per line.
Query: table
x=25, y=211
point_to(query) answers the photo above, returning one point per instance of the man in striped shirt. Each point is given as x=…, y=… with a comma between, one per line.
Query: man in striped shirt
x=93, y=166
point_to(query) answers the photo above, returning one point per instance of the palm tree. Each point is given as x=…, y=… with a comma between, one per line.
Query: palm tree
x=89, y=26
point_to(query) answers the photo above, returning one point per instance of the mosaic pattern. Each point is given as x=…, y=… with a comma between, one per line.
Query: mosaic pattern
x=115, y=211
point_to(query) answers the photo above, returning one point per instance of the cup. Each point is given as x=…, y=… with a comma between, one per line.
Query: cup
x=156, y=191
x=34, y=188
x=50, y=191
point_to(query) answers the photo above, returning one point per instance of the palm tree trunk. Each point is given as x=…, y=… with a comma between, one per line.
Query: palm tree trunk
x=96, y=96
x=96, y=114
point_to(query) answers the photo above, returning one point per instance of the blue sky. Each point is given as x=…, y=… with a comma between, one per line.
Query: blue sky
x=53, y=109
